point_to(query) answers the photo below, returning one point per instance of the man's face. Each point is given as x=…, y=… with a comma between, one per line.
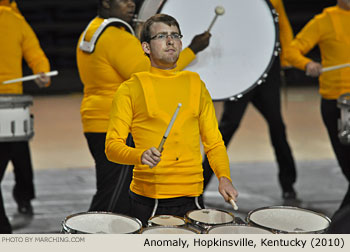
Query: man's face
x=165, y=47
x=123, y=9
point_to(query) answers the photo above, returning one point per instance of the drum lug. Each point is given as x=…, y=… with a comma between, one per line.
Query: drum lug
x=13, y=127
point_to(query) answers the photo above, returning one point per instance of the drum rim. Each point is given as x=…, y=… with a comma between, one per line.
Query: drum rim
x=274, y=55
x=249, y=220
x=9, y=100
x=69, y=229
x=169, y=226
x=236, y=224
x=190, y=220
x=175, y=216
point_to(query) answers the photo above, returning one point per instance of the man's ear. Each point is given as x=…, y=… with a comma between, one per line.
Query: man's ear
x=106, y=4
x=146, y=48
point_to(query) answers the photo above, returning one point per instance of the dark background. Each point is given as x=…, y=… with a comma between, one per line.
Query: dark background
x=59, y=23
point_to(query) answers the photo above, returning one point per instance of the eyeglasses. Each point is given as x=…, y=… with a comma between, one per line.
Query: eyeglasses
x=164, y=36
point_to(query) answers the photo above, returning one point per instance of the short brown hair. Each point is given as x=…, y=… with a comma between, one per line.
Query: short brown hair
x=158, y=18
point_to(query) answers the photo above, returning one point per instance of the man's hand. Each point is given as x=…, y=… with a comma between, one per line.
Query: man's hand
x=200, y=42
x=227, y=190
x=151, y=157
x=313, y=69
x=43, y=80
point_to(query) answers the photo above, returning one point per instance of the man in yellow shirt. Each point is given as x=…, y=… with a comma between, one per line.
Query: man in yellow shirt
x=19, y=41
x=330, y=30
x=267, y=100
x=170, y=182
x=103, y=65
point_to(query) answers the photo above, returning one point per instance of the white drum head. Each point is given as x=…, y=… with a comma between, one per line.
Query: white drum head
x=210, y=216
x=166, y=220
x=237, y=229
x=289, y=220
x=102, y=223
x=167, y=230
x=242, y=46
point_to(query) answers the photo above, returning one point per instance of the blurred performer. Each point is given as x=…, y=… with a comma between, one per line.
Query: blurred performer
x=103, y=66
x=171, y=182
x=330, y=31
x=21, y=42
x=266, y=99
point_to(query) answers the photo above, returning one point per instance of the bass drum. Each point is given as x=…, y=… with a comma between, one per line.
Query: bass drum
x=243, y=45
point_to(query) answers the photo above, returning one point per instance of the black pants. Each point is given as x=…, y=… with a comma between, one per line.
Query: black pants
x=330, y=115
x=266, y=98
x=142, y=207
x=19, y=154
x=109, y=177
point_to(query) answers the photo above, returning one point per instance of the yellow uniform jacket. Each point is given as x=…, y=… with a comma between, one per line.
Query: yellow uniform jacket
x=144, y=106
x=330, y=30
x=18, y=41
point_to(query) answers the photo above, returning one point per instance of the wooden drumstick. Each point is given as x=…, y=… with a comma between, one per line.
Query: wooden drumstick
x=326, y=69
x=30, y=77
x=219, y=10
x=160, y=147
x=233, y=203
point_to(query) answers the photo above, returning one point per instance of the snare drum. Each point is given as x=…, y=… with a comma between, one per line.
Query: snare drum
x=100, y=223
x=207, y=218
x=168, y=230
x=243, y=45
x=285, y=219
x=166, y=220
x=237, y=229
x=16, y=122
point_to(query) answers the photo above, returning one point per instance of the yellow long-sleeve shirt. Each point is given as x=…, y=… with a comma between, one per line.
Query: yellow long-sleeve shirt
x=330, y=30
x=285, y=29
x=144, y=106
x=118, y=54
x=18, y=41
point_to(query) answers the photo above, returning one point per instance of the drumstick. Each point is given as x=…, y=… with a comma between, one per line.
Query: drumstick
x=30, y=77
x=219, y=10
x=233, y=203
x=160, y=147
x=326, y=69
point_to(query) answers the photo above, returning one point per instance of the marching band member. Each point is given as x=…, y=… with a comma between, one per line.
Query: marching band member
x=329, y=30
x=170, y=182
x=107, y=55
x=266, y=98
x=21, y=42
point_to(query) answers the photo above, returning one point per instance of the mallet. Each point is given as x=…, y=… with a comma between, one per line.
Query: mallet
x=219, y=10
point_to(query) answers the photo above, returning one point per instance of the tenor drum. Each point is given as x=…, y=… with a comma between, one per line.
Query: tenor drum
x=237, y=229
x=166, y=220
x=293, y=220
x=243, y=45
x=168, y=230
x=207, y=218
x=100, y=223
x=16, y=122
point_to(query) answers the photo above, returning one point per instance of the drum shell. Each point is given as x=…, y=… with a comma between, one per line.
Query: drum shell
x=68, y=229
x=16, y=122
x=297, y=211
